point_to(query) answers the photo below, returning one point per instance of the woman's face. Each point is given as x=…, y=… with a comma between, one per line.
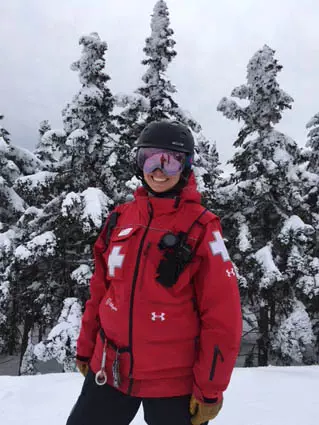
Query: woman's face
x=160, y=182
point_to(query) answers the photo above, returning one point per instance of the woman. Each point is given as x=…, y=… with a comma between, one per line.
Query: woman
x=163, y=324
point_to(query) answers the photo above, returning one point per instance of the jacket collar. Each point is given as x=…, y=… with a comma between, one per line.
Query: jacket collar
x=163, y=206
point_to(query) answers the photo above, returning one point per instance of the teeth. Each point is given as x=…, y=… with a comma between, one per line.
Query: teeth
x=159, y=180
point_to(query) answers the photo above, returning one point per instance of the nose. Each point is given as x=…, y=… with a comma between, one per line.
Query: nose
x=158, y=173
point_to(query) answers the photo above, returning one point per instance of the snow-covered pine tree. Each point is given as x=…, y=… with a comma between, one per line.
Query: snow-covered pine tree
x=154, y=100
x=11, y=205
x=14, y=162
x=310, y=174
x=39, y=189
x=256, y=204
x=296, y=244
x=310, y=177
x=44, y=127
x=157, y=88
x=70, y=202
x=60, y=344
x=266, y=100
x=294, y=336
x=27, y=366
x=88, y=119
x=4, y=134
x=49, y=148
x=206, y=170
x=159, y=52
x=8, y=210
x=313, y=143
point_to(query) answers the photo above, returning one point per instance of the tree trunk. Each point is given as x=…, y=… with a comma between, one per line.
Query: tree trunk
x=13, y=327
x=28, y=323
x=263, y=341
x=40, y=333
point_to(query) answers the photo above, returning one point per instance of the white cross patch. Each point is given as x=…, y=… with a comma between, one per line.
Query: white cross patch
x=125, y=232
x=115, y=260
x=158, y=316
x=218, y=246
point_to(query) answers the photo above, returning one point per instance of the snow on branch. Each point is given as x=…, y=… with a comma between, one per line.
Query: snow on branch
x=61, y=341
x=43, y=245
x=294, y=334
x=270, y=272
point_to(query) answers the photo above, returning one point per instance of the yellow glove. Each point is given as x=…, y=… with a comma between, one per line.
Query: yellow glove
x=83, y=367
x=203, y=412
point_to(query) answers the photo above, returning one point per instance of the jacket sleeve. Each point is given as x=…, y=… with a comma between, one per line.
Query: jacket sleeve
x=219, y=307
x=90, y=320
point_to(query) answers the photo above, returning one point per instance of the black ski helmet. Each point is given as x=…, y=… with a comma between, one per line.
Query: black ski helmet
x=167, y=134
x=172, y=135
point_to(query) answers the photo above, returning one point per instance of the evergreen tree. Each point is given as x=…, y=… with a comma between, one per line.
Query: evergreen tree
x=61, y=341
x=266, y=99
x=11, y=205
x=14, y=162
x=4, y=134
x=258, y=202
x=310, y=177
x=206, y=169
x=44, y=127
x=50, y=145
x=159, y=52
x=88, y=120
x=155, y=96
x=28, y=362
x=313, y=143
x=294, y=335
x=69, y=204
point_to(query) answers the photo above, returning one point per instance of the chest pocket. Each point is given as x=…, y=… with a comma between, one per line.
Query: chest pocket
x=120, y=257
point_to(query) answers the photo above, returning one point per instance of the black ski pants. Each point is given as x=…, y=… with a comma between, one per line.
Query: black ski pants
x=104, y=405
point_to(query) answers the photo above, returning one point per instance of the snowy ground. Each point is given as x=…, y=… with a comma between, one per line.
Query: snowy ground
x=256, y=396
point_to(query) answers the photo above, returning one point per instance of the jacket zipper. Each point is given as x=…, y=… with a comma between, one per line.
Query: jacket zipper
x=136, y=270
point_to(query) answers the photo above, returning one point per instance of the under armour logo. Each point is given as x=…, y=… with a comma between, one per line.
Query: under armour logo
x=158, y=316
x=218, y=247
x=115, y=260
x=230, y=272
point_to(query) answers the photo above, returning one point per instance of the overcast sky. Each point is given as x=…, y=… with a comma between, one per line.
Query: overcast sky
x=215, y=40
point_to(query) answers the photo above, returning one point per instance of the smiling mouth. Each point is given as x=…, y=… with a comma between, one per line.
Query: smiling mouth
x=159, y=180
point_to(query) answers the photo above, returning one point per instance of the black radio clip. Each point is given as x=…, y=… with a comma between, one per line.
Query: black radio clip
x=177, y=254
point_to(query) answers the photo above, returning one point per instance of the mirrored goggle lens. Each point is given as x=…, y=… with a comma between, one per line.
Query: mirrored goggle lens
x=169, y=162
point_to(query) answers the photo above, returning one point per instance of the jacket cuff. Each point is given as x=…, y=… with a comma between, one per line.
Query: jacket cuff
x=84, y=347
x=82, y=359
x=212, y=398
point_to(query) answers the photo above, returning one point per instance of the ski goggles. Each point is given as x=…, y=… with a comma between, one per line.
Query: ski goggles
x=169, y=162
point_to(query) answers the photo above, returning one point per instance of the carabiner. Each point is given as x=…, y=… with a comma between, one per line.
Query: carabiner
x=101, y=377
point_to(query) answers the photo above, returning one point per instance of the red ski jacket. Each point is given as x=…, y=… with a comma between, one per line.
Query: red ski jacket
x=163, y=341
